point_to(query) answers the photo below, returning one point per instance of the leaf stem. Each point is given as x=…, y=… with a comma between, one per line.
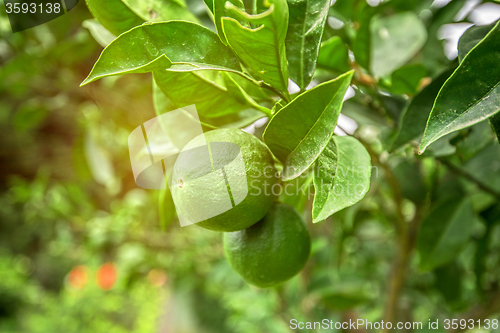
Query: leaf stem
x=481, y=312
x=461, y=172
x=268, y=112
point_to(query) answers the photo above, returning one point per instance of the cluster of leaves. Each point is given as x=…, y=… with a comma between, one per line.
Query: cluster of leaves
x=252, y=54
x=404, y=85
x=234, y=61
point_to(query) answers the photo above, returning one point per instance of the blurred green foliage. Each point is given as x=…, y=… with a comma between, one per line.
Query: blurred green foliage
x=68, y=198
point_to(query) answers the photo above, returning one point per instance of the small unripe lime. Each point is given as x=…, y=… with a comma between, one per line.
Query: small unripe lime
x=223, y=180
x=272, y=250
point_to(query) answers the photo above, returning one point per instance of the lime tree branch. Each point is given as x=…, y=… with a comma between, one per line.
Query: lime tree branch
x=262, y=84
x=461, y=172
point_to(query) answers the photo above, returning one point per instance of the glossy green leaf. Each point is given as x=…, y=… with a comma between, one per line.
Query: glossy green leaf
x=261, y=49
x=406, y=80
x=471, y=38
x=189, y=47
x=449, y=282
x=220, y=11
x=299, y=132
x=471, y=94
x=341, y=176
x=334, y=55
x=115, y=15
x=416, y=113
x=485, y=166
x=305, y=28
x=444, y=233
x=211, y=99
x=395, y=40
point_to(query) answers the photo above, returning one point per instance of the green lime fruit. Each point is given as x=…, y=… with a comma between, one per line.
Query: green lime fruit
x=272, y=250
x=223, y=180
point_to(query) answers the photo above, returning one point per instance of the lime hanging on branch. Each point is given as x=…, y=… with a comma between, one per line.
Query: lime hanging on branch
x=223, y=180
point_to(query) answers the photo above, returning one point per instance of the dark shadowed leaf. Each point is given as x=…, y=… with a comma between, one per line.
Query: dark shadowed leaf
x=305, y=28
x=119, y=16
x=341, y=176
x=444, y=233
x=220, y=10
x=297, y=137
x=471, y=94
x=491, y=216
x=297, y=192
x=200, y=88
x=342, y=301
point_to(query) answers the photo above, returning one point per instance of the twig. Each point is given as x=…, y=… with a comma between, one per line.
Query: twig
x=495, y=123
x=481, y=312
x=461, y=172
x=407, y=234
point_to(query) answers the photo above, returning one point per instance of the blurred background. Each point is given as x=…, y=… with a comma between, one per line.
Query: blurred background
x=83, y=249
